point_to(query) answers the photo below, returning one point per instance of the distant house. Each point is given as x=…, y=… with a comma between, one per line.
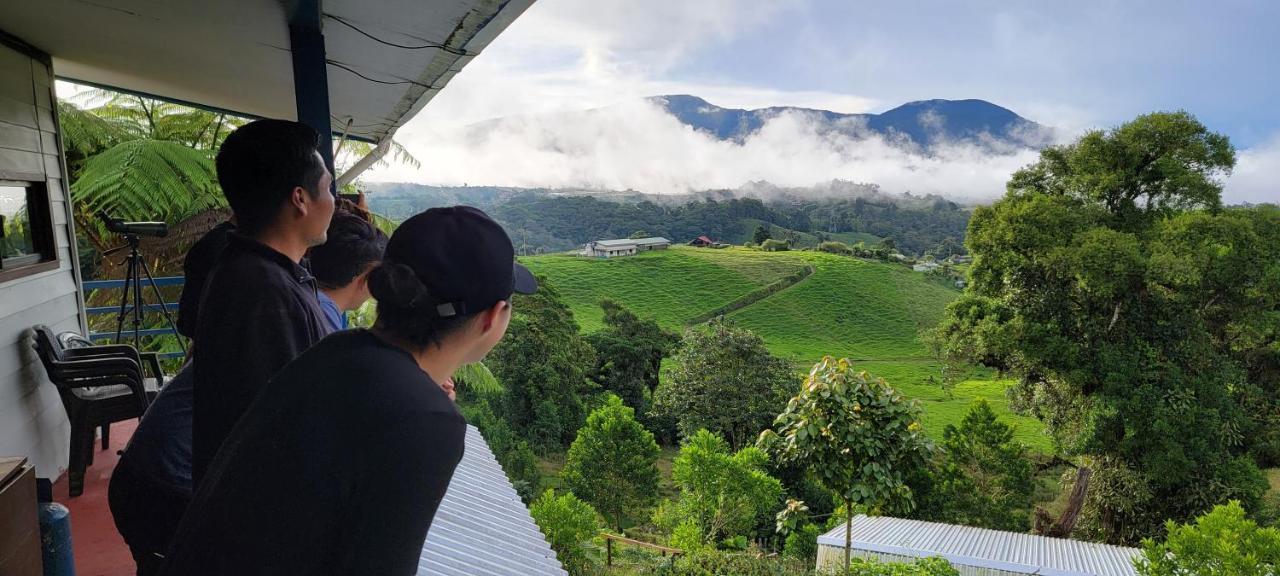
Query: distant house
x=627, y=247
x=707, y=242
x=926, y=266
x=974, y=551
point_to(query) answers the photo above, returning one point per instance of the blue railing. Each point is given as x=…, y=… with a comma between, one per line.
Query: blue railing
x=119, y=284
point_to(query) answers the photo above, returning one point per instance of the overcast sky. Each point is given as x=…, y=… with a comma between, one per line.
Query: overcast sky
x=1070, y=65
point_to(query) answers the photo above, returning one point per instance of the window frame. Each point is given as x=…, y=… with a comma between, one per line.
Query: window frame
x=43, y=239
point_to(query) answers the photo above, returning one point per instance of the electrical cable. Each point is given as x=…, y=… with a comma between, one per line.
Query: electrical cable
x=427, y=46
x=377, y=81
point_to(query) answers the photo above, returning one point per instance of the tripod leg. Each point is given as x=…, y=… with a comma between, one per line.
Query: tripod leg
x=124, y=298
x=138, y=302
x=164, y=307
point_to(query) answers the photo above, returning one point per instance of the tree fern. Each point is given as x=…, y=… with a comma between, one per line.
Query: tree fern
x=148, y=179
x=477, y=378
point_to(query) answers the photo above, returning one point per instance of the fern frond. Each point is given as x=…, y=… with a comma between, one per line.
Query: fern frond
x=477, y=378
x=149, y=179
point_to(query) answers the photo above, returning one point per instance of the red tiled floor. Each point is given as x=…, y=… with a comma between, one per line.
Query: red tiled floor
x=98, y=548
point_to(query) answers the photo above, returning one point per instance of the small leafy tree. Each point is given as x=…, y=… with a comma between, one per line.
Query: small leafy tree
x=984, y=477
x=568, y=523
x=1220, y=543
x=629, y=353
x=611, y=464
x=859, y=436
x=724, y=380
x=761, y=234
x=725, y=495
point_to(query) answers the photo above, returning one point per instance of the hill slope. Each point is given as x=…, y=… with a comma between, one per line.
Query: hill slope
x=869, y=312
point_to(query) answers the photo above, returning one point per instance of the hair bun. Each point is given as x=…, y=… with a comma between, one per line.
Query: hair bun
x=397, y=285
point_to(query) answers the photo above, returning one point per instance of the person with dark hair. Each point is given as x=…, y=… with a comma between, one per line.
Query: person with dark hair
x=196, y=266
x=151, y=485
x=342, y=264
x=258, y=310
x=339, y=465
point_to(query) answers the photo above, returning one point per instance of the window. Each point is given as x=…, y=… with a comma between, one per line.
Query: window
x=26, y=230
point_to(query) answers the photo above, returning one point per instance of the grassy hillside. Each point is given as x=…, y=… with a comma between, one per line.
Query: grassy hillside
x=870, y=312
x=669, y=286
x=806, y=239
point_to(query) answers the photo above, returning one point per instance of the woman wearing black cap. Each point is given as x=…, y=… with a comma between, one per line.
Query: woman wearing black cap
x=340, y=463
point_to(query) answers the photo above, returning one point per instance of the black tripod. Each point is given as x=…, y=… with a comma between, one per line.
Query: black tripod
x=135, y=269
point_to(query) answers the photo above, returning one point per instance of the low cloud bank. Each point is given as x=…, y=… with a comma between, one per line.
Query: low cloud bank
x=639, y=146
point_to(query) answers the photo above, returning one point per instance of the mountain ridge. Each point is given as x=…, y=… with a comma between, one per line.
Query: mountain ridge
x=924, y=124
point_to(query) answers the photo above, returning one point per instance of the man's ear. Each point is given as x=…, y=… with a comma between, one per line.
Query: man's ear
x=493, y=313
x=301, y=199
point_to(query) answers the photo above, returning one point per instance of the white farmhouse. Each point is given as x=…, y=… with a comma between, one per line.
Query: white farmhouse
x=625, y=247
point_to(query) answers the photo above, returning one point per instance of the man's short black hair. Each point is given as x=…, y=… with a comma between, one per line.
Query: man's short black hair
x=353, y=246
x=261, y=163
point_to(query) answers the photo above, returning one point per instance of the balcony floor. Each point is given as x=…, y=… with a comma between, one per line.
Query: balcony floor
x=98, y=548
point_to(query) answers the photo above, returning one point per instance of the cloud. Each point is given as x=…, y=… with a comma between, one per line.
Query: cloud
x=639, y=146
x=1256, y=177
x=566, y=56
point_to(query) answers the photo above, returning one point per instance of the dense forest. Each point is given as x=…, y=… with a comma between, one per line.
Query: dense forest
x=544, y=221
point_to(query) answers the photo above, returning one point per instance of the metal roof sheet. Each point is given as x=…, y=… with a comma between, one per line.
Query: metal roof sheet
x=981, y=547
x=482, y=528
x=632, y=241
x=235, y=55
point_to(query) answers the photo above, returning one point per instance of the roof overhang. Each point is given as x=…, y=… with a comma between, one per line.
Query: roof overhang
x=234, y=55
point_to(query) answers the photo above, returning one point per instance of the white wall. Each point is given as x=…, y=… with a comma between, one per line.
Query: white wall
x=32, y=420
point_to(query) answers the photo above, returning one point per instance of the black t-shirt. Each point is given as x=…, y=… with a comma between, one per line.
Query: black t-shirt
x=337, y=468
x=200, y=260
x=258, y=312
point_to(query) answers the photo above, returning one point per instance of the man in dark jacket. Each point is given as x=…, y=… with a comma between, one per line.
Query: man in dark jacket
x=258, y=310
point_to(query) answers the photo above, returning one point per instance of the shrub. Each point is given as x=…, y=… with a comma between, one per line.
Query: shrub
x=802, y=544
x=1222, y=542
x=772, y=245
x=718, y=563
x=835, y=248
x=724, y=494
x=921, y=567
x=567, y=522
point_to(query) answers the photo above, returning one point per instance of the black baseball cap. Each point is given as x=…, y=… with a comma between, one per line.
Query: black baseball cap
x=462, y=256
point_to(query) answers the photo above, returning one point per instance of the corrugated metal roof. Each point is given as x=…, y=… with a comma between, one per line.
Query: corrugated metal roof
x=980, y=547
x=632, y=241
x=235, y=56
x=482, y=528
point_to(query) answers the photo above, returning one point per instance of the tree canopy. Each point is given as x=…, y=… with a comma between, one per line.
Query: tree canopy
x=629, y=353
x=1221, y=543
x=543, y=363
x=723, y=379
x=983, y=476
x=859, y=437
x=611, y=463
x=722, y=494
x=1132, y=309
